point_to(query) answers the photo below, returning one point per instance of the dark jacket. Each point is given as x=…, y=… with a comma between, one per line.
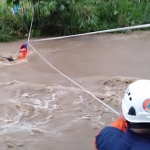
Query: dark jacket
x=118, y=137
x=15, y=2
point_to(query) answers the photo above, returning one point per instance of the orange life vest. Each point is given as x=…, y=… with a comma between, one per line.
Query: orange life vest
x=22, y=53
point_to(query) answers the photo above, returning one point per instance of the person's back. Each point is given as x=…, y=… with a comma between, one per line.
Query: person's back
x=16, y=6
x=133, y=132
x=23, y=52
x=112, y=138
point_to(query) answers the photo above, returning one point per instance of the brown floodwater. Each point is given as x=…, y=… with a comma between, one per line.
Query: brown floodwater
x=42, y=109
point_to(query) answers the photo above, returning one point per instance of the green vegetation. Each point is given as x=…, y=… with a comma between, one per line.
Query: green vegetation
x=65, y=17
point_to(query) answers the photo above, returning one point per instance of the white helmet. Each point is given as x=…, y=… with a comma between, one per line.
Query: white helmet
x=136, y=102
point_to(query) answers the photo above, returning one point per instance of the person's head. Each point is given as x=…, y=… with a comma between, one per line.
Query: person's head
x=24, y=46
x=136, y=105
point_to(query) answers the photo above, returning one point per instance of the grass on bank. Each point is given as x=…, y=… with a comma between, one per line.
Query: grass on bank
x=65, y=17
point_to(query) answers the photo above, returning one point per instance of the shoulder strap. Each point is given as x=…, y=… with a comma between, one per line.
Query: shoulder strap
x=120, y=124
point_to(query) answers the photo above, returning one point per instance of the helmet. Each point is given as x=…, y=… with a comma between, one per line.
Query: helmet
x=24, y=46
x=136, y=102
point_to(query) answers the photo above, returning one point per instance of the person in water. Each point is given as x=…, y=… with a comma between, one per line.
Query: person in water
x=132, y=130
x=22, y=54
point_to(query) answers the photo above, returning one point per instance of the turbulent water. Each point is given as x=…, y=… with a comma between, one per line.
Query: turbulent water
x=42, y=109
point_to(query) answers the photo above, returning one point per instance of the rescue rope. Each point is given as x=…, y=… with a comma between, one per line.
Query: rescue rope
x=73, y=81
x=96, y=32
x=30, y=29
x=104, y=31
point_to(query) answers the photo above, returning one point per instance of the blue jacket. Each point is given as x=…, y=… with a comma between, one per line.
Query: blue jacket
x=114, y=138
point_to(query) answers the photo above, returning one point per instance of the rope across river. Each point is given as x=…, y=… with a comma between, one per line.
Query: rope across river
x=90, y=33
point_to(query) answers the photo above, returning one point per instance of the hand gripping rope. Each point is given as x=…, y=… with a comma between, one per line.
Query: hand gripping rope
x=62, y=37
